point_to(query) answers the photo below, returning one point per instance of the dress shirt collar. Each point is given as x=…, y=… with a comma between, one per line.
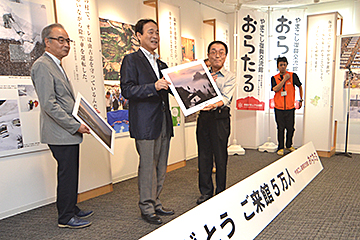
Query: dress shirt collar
x=148, y=54
x=56, y=60
x=218, y=73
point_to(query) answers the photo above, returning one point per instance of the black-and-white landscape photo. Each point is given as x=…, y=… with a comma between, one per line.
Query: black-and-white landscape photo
x=20, y=41
x=193, y=85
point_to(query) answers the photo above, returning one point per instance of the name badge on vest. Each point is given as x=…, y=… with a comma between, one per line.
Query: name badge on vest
x=283, y=93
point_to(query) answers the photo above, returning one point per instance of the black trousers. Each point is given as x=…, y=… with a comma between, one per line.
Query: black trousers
x=285, y=119
x=67, y=157
x=212, y=135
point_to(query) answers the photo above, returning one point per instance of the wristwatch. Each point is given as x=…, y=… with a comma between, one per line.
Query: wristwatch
x=301, y=100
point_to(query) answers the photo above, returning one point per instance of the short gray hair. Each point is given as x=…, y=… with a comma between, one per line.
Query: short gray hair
x=45, y=33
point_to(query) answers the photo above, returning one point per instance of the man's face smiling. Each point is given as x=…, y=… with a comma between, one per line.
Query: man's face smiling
x=150, y=37
x=217, y=56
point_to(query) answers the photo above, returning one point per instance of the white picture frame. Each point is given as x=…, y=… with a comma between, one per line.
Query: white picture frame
x=99, y=128
x=193, y=86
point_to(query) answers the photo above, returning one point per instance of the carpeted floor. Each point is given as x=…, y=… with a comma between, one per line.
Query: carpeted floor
x=328, y=208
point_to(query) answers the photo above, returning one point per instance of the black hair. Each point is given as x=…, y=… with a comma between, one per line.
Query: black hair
x=281, y=59
x=139, y=27
x=218, y=42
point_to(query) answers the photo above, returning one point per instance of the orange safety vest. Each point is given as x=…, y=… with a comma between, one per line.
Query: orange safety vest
x=286, y=102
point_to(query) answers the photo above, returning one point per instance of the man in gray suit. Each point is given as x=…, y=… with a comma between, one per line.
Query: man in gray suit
x=58, y=128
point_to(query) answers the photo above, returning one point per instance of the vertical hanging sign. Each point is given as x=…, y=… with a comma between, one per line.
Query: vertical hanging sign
x=251, y=62
x=288, y=37
x=83, y=65
x=288, y=33
x=170, y=35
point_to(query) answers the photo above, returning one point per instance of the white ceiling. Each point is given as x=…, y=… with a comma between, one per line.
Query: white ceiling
x=229, y=6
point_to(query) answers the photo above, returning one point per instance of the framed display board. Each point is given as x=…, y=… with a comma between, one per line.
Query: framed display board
x=193, y=86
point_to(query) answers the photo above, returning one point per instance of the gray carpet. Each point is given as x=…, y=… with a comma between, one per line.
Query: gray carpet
x=327, y=209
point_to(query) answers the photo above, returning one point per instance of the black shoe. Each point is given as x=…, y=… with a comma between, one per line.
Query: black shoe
x=84, y=214
x=203, y=198
x=75, y=222
x=152, y=218
x=164, y=211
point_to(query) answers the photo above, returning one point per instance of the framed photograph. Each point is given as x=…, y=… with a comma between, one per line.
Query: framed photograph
x=20, y=38
x=193, y=86
x=99, y=128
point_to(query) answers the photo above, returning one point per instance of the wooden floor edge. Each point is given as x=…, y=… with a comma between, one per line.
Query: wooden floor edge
x=95, y=192
x=175, y=166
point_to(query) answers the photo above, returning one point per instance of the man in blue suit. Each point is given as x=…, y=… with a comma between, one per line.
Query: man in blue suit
x=149, y=117
x=58, y=128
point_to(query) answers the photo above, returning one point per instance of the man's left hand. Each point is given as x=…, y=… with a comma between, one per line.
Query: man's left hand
x=83, y=129
x=300, y=104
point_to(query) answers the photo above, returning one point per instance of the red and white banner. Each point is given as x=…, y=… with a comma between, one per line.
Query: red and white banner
x=251, y=64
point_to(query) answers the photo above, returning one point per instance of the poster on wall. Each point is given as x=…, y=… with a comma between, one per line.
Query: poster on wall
x=19, y=116
x=193, y=86
x=84, y=64
x=354, y=112
x=170, y=35
x=349, y=52
x=117, y=40
x=222, y=34
x=320, y=69
x=20, y=40
x=187, y=49
x=251, y=65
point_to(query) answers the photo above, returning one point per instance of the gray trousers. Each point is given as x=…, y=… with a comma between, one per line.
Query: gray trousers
x=153, y=156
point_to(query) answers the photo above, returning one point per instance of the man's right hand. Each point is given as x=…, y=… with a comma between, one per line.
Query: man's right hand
x=83, y=129
x=286, y=77
x=162, y=84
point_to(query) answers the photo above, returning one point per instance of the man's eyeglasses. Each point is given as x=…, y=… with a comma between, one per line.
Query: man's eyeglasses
x=62, y=40
x=215, y=53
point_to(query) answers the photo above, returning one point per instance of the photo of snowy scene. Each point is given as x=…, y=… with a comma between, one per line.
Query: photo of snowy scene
x=20, y=41
x=28, y=98
x=193, y=85
x=10, y=126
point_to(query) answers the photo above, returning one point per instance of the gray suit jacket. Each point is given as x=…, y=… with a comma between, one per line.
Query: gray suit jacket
x=57, y=99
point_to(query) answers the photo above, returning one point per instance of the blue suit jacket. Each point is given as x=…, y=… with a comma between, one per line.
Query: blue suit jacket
x=146, y=106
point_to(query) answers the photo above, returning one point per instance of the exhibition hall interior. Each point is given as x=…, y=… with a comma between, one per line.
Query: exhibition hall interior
x=282, y=181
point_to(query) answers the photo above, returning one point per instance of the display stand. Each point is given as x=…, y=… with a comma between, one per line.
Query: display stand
x=346, y=153
x=269, y=146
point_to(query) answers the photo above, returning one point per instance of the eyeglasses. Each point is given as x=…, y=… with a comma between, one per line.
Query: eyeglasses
x=215, y=53
x=62, y=40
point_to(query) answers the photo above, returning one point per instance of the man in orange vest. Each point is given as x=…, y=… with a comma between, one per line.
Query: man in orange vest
x=283, y=84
